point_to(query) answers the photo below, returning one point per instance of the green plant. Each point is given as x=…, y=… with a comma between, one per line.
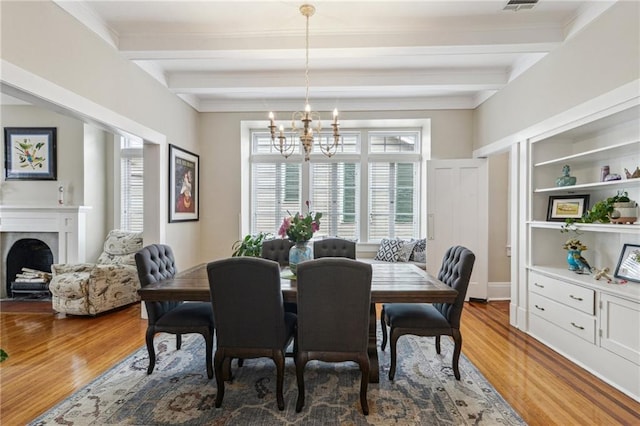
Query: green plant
x=598, y=213
x=250, y=245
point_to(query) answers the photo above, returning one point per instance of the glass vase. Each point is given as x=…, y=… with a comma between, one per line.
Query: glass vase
x=299, y=252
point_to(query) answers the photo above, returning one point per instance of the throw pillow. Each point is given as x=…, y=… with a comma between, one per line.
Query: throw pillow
x=421, y=246
x=389, y=250
x=406, y=251
x=420, y=256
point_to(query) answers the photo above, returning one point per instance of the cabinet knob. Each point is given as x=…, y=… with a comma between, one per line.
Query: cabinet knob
x=538, y=307
x=577, y=326
x=576, y=298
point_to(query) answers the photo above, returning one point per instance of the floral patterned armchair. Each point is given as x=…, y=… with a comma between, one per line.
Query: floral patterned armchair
x=91, y=288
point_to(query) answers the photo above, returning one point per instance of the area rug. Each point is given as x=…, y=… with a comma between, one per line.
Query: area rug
x=178, y=392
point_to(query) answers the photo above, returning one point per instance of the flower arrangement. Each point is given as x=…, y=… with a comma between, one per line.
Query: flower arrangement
x=298, y=227
x=574, y=244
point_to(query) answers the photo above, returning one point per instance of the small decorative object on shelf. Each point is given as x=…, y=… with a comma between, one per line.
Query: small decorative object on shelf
x=565, y=179
x=604, y=172
x=625, y=210
x=300, y=228
x=612, y=176
x=576, y=262
x=602, y=273
x=61, y=194
x=634, y=175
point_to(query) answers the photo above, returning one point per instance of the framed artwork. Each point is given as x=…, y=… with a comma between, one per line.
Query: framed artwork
x=629, y=263
x=563, y=207
x=30, y=153
x=184, y=201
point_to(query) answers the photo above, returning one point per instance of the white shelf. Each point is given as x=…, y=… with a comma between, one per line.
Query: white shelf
x=595, y=185
x=590, y=227
x=622, y=149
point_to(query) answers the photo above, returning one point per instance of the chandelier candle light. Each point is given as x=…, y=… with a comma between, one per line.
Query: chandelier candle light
x=304, y=131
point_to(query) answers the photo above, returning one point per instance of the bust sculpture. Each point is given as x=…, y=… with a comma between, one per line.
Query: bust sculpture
x=565, y=179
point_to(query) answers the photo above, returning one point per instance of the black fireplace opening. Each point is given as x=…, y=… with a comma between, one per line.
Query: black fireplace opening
x=32, y=254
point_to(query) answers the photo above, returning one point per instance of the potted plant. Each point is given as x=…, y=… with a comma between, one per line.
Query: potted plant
x=250, y=245
x=624, y=210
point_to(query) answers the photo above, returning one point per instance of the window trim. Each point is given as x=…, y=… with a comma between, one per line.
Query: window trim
x=421, y=124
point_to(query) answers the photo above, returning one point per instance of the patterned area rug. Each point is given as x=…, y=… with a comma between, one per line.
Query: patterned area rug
x=178, y=392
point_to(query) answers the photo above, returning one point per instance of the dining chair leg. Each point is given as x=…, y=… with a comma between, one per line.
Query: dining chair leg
x=457, y=338
x=208, y=339
x=363, y=362
x=383, y=325
x=278, y=358
x=178, y=341
x=300, y=361
x=393, y=343
x=217, y=363
x=151, y=350
x=438, y=344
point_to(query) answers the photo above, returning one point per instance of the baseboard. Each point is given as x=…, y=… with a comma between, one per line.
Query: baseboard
x=499, y=291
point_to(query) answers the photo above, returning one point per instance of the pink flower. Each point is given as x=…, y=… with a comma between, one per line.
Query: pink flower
x=286, y=223
x=314, y=227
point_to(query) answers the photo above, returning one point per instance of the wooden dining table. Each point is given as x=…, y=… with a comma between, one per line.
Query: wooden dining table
x=391, y=282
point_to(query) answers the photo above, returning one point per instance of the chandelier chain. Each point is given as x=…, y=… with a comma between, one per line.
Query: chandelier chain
x=306, y=65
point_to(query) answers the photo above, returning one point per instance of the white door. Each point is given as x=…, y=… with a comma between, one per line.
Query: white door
x=457, y=214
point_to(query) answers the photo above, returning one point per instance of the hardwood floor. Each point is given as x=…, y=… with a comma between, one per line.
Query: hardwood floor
x=52, y=356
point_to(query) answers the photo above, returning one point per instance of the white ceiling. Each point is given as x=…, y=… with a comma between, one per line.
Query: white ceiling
x=364, y=55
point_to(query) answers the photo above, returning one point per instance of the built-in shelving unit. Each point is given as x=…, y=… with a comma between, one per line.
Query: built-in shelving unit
x=593, y=322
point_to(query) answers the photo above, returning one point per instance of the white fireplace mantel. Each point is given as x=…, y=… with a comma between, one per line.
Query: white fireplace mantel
x=69, y=222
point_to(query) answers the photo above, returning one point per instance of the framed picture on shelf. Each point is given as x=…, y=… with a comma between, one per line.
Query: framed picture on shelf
x=184, y=168
x=563, y=207
x=30, y=153
x=629, y=263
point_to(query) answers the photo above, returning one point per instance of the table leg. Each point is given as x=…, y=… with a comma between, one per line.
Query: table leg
x=372, y=349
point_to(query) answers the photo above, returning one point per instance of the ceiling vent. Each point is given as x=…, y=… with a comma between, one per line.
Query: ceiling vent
x=516, y=5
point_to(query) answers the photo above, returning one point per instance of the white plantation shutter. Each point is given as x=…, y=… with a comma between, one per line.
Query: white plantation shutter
x=275, y=190
x=385, y=201
x=334, y=193
x=131, y=186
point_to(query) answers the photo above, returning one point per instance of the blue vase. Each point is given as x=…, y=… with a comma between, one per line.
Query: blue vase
x=299, y=252
x=573, y=265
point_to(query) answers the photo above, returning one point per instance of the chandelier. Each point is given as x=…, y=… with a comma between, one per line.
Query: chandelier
x=302, y=121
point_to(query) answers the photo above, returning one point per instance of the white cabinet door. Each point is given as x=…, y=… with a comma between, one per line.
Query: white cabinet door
x=457, y=214
x=620, y=322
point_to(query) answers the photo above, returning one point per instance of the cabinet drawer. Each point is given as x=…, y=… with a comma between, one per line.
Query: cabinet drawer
x=573, y=321
x=568, y=294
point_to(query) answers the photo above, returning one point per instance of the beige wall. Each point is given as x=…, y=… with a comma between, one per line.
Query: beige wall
x=96, y=173
x=600, y=58
x=70, y=152
x=60, y=50
x=499, y=262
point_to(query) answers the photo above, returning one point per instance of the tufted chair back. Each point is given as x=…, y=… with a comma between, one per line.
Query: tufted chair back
x=155, y=263
x=455, y=271
x=334, y=247
x=277, y=249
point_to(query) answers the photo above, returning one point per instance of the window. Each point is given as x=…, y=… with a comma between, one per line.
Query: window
x=131, y=185
x=383, y=203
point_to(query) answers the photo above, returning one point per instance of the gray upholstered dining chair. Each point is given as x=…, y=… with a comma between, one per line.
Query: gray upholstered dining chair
x=250, y=318
x=334, y=247
x=334, y=297
x=155, y=263
x=423, y=319
x=277, y=249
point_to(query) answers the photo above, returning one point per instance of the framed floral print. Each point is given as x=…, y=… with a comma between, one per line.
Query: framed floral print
x=184, y=168
x=30, y=153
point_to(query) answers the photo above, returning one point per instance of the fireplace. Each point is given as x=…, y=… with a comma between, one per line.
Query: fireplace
x=26, y=255
x=61, y=228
